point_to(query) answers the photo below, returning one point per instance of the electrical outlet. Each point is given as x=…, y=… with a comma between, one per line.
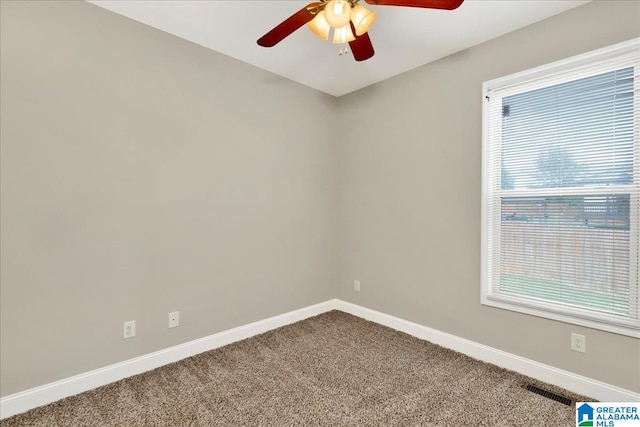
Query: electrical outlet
x=578, y=343
x=356, y=286
x=174, y=319
x=129, y=329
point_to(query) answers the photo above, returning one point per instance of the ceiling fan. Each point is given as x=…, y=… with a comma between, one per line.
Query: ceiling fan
x=346, y=19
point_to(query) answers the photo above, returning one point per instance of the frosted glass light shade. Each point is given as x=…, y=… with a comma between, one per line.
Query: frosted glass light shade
x=362, y=19
x=343, y=35
x=338, y=13
x=320, y=26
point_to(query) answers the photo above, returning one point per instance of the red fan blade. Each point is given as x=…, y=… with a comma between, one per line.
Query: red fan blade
x=288, y=26
x=427, y=4
x=361, y=47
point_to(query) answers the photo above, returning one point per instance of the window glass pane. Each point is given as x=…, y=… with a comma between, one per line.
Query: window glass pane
x=561, y=197
x=573, y=134
x=567, y=249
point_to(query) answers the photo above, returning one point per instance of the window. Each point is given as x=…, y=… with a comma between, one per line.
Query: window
x=561, y=180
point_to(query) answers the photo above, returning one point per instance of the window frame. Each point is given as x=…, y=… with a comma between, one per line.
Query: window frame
x=557, y=72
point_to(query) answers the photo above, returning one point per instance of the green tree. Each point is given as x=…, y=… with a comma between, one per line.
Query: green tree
x=557, y=168
x=506, y=181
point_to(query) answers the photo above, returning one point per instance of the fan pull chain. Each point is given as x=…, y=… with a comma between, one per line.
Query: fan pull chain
x=343, y=49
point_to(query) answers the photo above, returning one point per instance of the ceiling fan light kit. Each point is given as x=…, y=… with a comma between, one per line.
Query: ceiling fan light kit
x=343, y=35
x=336, y=16
x=344, y=18
x=319, y=26
x=337, y=13
x=362, y=19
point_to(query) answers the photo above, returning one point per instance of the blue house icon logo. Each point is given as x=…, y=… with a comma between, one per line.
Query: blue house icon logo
x=584, y=416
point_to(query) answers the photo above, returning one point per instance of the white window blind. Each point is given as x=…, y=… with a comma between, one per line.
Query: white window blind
x=561, y=190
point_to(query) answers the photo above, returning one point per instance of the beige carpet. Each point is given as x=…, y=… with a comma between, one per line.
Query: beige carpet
x=332, y=370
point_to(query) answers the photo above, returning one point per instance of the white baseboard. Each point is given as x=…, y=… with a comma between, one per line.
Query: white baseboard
x=568, y=380
x=48, y=393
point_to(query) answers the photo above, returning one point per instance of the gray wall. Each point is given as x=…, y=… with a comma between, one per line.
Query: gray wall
x=143, y=174
x=410, y=195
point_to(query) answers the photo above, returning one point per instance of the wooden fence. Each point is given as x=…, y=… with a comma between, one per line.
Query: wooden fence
x=594, y=258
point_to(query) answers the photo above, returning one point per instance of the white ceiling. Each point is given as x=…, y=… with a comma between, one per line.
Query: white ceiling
x=403, y=38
